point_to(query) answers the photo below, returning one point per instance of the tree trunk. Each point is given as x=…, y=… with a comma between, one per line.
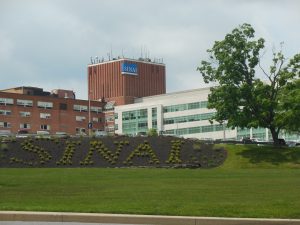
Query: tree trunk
x=275, y=136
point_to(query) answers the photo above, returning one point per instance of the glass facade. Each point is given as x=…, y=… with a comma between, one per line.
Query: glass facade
x=190, y=118
x=259, y=133
x=135, y=122
x=187, y=106
x=195, y=130
x=243, y=133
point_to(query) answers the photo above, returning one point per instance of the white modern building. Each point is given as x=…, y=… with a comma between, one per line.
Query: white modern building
x=183, y=114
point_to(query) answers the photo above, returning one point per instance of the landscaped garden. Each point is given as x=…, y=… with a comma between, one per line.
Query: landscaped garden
x=253, y=181
x=110, y=152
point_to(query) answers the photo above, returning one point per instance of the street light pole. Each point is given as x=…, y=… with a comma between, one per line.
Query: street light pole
x=89, y=98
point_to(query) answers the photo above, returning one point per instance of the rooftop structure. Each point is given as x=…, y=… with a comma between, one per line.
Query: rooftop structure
x=122, y=79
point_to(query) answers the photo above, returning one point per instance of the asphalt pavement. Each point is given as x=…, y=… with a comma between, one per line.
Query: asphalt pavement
x=54, y=223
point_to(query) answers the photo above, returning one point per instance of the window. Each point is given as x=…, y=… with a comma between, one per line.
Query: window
x=45, y=115
x=109, y=118
x=63, y=106
x=110, y=128
x=116, y=116
x=5, y=112
x=96, y=109
x=80, y=130
x=25, y=103
x=24, y=114
x=45, y=127
x=45, y=105
x=80, y=118
x=154, y=123
x=142, y=125
x=6, y=101
x=80, y=108
x=24, y=126
x=194, y=130
x=97, y=120
x=5, y=125
x=154, y=112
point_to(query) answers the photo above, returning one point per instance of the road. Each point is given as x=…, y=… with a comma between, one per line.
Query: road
x=54, y=223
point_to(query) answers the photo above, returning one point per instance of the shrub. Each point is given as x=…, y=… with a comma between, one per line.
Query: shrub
x=152, y=132
x=4, y=147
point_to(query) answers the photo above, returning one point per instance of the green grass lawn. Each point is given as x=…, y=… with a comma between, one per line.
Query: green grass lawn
x=253, y=182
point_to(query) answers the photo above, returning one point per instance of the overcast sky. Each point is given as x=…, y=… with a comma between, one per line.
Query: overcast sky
x=48, y=43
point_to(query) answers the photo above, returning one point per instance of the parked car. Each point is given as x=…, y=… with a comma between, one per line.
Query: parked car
x=22, y=134
x=281, y=141
x=247, y=140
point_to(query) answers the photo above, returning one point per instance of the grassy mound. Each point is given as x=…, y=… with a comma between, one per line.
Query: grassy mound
x=254, y=181
x=264, y=157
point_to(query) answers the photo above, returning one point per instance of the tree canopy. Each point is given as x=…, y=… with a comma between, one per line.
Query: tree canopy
x=241, y=98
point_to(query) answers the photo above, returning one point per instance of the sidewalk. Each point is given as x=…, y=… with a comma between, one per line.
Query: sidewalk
x=137, y=219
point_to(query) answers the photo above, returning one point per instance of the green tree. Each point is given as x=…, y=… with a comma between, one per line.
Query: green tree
x=152, y=132
x=289, y=102
x=242, y=99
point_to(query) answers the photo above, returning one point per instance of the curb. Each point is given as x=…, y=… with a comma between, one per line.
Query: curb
x=137, y=219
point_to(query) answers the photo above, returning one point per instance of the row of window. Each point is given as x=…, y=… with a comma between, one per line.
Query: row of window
x=28, y=126
x=46, y=115
x=24, y=126
x=190, y=118
x=195, y=130
x=187, y=106
x=48, y=105
x=26, y=103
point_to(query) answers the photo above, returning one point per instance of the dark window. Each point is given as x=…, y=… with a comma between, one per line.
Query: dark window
x=63, y=106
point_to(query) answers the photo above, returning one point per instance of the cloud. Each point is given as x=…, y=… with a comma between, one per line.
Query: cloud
x=48, y=43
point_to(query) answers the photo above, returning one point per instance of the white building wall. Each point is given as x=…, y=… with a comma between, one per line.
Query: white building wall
x=184, y=97
x=160, y=101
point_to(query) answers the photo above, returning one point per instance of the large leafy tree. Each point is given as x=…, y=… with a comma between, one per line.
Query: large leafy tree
x=242, y=99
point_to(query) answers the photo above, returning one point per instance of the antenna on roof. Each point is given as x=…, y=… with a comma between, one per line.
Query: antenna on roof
x=91, y=60
x=111, y=53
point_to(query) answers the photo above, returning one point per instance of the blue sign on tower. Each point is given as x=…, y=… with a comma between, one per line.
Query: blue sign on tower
x=129, y=68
